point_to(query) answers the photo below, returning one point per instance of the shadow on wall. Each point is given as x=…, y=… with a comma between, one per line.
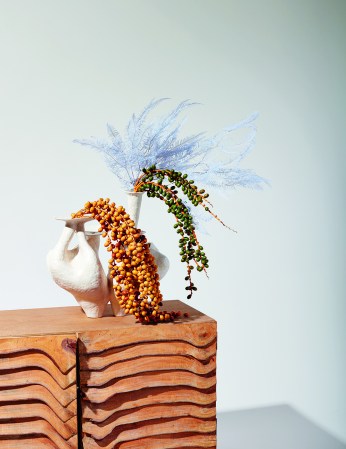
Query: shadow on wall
x=276, y=427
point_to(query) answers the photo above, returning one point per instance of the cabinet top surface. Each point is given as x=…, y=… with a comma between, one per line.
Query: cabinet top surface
x=61, y=320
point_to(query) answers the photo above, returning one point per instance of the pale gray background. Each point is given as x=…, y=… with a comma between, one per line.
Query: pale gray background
x=277, y=287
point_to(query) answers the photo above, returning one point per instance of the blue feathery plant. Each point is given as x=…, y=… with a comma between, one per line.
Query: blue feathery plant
x=151, y=157
x=207, y=160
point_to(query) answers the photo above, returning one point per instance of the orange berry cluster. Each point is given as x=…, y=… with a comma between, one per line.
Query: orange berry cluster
x=132, y=265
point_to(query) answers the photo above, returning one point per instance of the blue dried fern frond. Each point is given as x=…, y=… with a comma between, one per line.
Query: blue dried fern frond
x=211, y=161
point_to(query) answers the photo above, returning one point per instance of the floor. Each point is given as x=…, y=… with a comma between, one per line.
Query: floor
x=277, y=427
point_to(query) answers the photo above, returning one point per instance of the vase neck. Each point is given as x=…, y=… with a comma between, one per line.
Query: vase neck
x=134, y=201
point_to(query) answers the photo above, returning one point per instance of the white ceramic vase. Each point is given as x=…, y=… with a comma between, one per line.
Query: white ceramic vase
x=134, y=202
x=79, y=271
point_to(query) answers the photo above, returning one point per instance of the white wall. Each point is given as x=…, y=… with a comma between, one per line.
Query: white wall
x=277, y=287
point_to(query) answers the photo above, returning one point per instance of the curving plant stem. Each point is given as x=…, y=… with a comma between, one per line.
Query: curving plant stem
x=164, y=184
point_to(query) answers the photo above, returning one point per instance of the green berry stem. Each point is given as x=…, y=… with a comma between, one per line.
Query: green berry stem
x=164, y=184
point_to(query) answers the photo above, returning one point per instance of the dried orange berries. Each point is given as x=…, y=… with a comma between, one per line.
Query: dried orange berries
x=131, y=265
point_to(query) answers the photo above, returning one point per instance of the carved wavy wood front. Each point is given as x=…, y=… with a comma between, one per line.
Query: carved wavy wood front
x=142, y=387
x=154, y=388
x=38, y=392
x=134, y=351
x=149, y=396
x=168, y=362
x=199, y=335
x=175, y=441
x=56, y=347
x=34, y=360
x=144, y=416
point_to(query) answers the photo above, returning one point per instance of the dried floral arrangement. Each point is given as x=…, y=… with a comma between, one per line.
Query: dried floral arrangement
x=151, y=157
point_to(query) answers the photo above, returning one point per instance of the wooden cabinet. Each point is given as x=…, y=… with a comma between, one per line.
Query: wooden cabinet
x=67, y=381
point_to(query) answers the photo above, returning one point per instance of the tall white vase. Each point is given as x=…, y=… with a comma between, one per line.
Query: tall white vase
x=134, y=202
x=79, y=270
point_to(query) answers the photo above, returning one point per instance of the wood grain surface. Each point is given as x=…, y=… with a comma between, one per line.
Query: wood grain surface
x=142, y=387
x=149, y=387
x=38, y=406
x=69, y=320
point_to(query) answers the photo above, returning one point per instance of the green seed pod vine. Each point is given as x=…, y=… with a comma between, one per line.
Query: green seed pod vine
x=165, y=185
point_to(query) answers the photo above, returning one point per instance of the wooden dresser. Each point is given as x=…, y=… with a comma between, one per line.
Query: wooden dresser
x=68, y=381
